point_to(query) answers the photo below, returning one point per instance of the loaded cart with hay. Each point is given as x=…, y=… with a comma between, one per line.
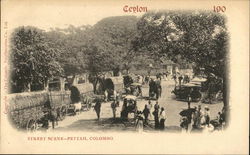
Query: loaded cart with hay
x=33, y=110
x=26, y=109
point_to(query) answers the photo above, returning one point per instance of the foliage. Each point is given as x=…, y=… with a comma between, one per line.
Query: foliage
x=33, y=61
x=111, y=44
x=196, y=37
x=71, y=44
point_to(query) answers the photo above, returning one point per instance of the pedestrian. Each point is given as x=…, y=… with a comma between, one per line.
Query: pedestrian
x=175, y=79
x=52, y=118
x=207, y=115
x=146, y=112
x=180, y=78
x=124, y=112
x=117, y=103
x=151, y=87
x=189, y=99
x=115, y=95
x=139, y=91
x=162, y=119
x=159, y=90
x=156, y=117
x=106, y=95
x=199, y=111
x=150, y=107
x=221, y=117
x=139, y=122
x=195, y=118
x=134, y=107
x=146, y=79
x=114, y=106
x=97, y=108
x=189, y=118
x=109, y=94
x=184, y=124
x=156, y=106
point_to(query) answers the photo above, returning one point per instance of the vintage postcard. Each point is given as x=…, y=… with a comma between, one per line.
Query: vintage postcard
x=124, y=77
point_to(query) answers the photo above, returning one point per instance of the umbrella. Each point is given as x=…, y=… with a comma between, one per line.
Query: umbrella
x=195, y=82
x=187, y=112
x=131, y=97
x=135, y=84
x=191, y=85
x=196, y=79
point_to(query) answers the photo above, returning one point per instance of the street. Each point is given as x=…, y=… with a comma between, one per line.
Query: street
x=87, y=120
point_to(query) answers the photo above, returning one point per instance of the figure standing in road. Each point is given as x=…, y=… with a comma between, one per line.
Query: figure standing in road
x=146, y=112
x=156, y=106
x=139, y=122
x=184, y=124
x=175, y=79
x=115, y=94
x=162, y=119
x=114, y=106
x=180, y=78
x=150, y=107
x=156, y=116
x=189, y=99
x=207, y=115
x=124, y=112
x=106, y=95
x=195, y=118
x=199, y=111
x=189, y=119
x=97, y=109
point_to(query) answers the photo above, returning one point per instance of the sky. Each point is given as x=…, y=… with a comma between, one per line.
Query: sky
x=51, y=15
x=46, y=14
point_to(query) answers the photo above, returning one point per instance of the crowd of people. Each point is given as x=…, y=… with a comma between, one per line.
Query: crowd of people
x=181, y=79
x=200, y=120
x=158, y=115
x=192, y=119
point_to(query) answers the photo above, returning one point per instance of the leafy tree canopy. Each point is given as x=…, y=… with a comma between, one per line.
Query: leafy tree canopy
x=33, y=60
x=111, y=43
x=196, y=37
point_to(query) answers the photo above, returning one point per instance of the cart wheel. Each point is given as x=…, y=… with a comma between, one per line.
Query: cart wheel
x=31, y=125
x=63, y=113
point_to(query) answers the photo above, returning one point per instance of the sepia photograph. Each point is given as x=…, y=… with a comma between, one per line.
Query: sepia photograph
x=132, y=69
x=164, y=71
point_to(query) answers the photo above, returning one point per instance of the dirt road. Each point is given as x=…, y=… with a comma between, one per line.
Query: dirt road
x=87, y=120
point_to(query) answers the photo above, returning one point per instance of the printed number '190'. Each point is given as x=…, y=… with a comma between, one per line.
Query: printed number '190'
x=219, y=8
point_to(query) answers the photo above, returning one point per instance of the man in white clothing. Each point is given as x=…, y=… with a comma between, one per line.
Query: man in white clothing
x=162, y=118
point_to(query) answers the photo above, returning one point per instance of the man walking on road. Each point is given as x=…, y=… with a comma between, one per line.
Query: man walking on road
x=180, y=78
x=162, y=119
x=113, y=106
x=150, y=107
x=156, y=106
x=146, y=112
x=97, y=109
x=189, y=99
x=156, y=115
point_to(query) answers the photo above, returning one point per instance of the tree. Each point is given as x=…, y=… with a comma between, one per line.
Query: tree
x=111, y=44
x=197, y=37
x=33, y=61
x=72, y=46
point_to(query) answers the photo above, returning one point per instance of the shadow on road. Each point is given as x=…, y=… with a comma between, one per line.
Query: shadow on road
x=111, y=125
x=104, y=124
